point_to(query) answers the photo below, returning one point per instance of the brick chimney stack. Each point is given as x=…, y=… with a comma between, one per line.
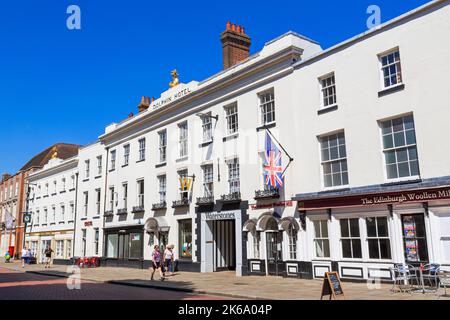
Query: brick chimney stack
x=144, y=105
x=235, y=45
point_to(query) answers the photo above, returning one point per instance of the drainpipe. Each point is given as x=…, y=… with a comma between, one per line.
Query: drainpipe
x=75, y=217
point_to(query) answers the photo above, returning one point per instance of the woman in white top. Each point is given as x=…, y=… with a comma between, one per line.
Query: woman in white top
x=169, y=258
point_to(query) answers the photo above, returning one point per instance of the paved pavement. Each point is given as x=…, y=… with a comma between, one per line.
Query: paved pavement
x=18, y=285
x=226, y=284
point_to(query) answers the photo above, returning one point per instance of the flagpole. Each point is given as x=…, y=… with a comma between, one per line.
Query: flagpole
x=284, y=150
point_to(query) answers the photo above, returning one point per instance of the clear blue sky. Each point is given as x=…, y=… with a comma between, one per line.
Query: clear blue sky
x=58, y=85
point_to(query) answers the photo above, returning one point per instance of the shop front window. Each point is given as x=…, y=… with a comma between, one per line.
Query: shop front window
x=321, y=240
x=350, y=238
x=414, y=238
x=185, y=243
x=113, y=245
x=136, y=245
x=256, y=243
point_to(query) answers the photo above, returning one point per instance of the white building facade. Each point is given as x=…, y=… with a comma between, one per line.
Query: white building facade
x=51, y=203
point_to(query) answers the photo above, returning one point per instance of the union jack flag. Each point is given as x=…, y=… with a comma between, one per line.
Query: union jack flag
x=273, y=169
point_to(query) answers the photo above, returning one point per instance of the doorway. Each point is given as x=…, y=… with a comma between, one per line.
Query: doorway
x=224, y=233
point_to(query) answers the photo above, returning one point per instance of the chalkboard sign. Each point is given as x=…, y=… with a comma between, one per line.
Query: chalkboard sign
x=332, y=286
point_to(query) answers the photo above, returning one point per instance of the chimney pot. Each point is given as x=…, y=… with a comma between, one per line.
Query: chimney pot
x=235, y=45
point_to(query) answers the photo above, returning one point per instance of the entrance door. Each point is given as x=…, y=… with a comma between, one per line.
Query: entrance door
x=414, y=238
x=224, y=232
x=273, y=251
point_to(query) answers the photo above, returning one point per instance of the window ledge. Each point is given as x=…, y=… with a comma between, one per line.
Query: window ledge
x=125, y=165
x=72, y=189
x=400, y=182
x=111, y=170
x=86, y=180
x=327, y=109
x=62, y=222
x=139, y=161
x=231, y=137
x=98, y=177
x=205, y=144
x=335, y=189
x=53, y=223
x=96, y=217
x=392, y=89
x=64, y=191
x=70, y=221
x=83, y=219
x=160, y=165
x=267, y=126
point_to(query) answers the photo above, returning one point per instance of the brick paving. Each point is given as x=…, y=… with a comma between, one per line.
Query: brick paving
x=226, y=284
x=17, y=285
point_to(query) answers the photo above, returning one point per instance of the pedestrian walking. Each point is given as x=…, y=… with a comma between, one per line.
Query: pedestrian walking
x=169, y=259
x=24, y=257
x=48, y=257
x=157, y=263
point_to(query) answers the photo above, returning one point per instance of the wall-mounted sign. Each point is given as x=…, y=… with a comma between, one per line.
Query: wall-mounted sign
x=273, y=205
x=377, y=199
x=174, y=94
x=220, y=216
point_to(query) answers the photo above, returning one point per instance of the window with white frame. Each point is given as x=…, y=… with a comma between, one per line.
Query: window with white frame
x=113, y=159
x=63, y=184
x=391, y=68
x=96, y=240
x=62, y=213
x=111, y=198
x=83, y=242
x=68, y=249
x=87, y=165
x=334, y=160
x=234, y=183
x=183, y=139
x=72, y=211
x=141, y=192
x=399, y=147
x=162, y=146
x=36, y=217
x=292, y=235
x=267, y=107
x=256, y=238
x=99, y=165
x=86, y=203
x=98, y=201
x=231, y=114
x=321, y=239
x=207, y=127
x=142, y=149
x=72, y=178
x=125, y=195
x=350, y=238
x=126, y=154
x=328, y=90
x=208, y=180
x=59, y=248
x=53, y=214
x=162, y=188
x=55, y=187
x=378, y=238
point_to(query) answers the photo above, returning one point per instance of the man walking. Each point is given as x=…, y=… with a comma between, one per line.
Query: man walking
x=24, y=257
x=48, y=257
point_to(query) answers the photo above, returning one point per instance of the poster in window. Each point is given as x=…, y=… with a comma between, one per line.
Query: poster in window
x=412, y=253
x=409, y=228
x=135, y=237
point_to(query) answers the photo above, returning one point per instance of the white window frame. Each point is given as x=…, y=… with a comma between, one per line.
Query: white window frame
x=87, y=169
x=395, y=149
x=208, y=180
x=330, y=161
x=162, y=136
x=142, y=143
x=234, y=179
x=267, y=102
x=350, y=237
x=86, y=203
x=232, y=119
x=325, y=87
x=125, y=195
x=126, y=154
x=99, y=165
x=140, y=185
x=396, y=63
x=378, y=238
x=98, y=200
x=207, y=128
x=183, y=141
x=162, y=182
x=113, y=159
x=321, y=238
